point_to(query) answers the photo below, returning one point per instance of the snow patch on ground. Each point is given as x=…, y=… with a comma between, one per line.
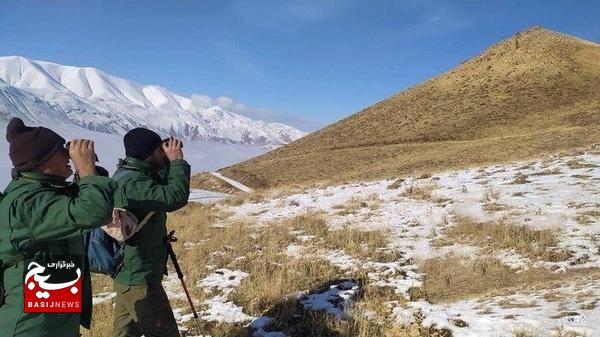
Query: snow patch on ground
x=222, y=310
x=223, y=280
x=558, y=193
x=333, y=300
x=573, y=310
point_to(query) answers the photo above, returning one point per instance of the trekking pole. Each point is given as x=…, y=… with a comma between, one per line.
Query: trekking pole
x=168, y=239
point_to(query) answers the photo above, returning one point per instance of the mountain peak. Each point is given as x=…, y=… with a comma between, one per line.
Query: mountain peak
x=541, y=41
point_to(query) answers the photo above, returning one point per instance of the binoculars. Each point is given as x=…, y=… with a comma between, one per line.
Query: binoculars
x=69, y=144
x=167, y=139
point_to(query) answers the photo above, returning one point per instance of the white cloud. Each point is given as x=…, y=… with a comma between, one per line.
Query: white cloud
x=264, y=114
x=202, y=100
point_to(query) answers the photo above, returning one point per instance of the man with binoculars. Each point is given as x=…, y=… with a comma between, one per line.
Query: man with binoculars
x=42, y=220
x=153, y=179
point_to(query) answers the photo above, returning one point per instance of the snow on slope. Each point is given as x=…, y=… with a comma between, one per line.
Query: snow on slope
x=559, y=193
x=44, y=92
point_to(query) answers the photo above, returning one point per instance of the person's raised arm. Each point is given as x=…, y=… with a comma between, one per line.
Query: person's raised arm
x=163, y=197
x=57, y=216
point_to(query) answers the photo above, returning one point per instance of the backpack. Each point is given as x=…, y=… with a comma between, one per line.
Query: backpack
x=104, y=245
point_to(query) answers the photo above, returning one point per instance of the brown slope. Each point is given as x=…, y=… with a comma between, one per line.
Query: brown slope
x=533, y=93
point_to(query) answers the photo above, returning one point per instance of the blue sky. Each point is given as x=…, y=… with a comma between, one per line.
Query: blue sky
x=305, y=62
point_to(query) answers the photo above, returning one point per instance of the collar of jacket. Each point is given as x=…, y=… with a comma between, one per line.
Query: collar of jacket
x=44, y=178
x=140, y=165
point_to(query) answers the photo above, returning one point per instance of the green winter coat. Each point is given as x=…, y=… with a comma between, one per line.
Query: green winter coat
x=143, y=189
x=47, y=213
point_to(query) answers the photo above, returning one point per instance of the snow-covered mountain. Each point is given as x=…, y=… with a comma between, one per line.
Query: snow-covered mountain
x=49, y=93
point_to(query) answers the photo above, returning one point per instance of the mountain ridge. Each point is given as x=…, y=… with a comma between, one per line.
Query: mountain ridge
x=43, y=92
x=536, y=83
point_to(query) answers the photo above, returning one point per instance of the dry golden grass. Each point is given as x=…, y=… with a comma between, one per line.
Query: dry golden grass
x=274, y=277
x=452, y=278
x=365, y=245
x=489, y=200
x=375, y=299
x=494, y=207
x=536, y=244
x=578, y=164
x=396, y=184
x=102, y=321
x=239, y=199
x=419, y=192
x=312, y=223
x=423, y=191
x=272, y=281
x=353, y=205
x=490, y=194
x=512, y=102
x=547, y=172
x=523, y=332
x=587, y=217
x=560, y=331
x=520, y=179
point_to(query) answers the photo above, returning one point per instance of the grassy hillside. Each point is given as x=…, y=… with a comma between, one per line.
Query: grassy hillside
x=533, y=93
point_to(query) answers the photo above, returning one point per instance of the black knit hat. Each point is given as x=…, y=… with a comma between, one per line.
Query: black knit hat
x=140, y=143
x=29, y=147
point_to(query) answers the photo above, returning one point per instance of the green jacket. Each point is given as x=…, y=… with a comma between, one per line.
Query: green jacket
x=46, y=212
x=143, y=189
